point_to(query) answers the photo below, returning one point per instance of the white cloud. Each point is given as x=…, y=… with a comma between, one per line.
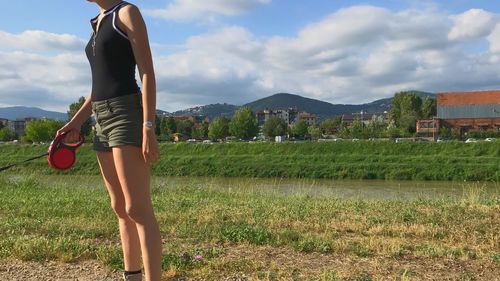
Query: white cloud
x=37, y=40
x=186, y=10
x=47, y=81
x=472, y=24
x=494, y=39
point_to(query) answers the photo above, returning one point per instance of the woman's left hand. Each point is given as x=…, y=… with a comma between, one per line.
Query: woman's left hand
x=150, y=149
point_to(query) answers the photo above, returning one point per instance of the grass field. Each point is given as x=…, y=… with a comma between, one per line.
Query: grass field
x=261, y=235
x=337, y=160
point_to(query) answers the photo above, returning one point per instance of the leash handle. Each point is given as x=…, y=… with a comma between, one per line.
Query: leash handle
x=59, y=139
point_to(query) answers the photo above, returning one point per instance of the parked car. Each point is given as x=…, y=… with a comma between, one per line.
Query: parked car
x=442, y=139
x=489, y=139
x=208, y=142
x=471, y=140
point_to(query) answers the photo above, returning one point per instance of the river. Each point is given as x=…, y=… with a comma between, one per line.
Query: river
x=342, y=189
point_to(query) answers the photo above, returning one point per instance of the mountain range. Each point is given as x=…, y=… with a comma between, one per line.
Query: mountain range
x=21, y=112
x=277, y=101
x=284, y=100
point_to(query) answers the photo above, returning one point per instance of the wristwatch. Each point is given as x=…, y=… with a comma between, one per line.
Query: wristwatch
x=148, y=124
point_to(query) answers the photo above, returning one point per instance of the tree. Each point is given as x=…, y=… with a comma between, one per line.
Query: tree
x=73, y=109
x=168, y=126
x=314, y=132
x=429, y=109
x=42, y=130
x=375, y=127
x=244, y=124
x=185, y=128
x=218, y=129
x=328, y=125
x=358, y=129
x=300, y=129
x=274, y=126
x=345, y=132
x=406, y=109
x=200, y=131
x=6, y=134
x=204, y=128
x=157, y=126
x=392, y=131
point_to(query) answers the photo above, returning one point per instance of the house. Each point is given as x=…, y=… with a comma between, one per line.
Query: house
x=309, y=118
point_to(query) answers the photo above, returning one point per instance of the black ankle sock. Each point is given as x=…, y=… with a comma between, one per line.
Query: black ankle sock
x=127, y=273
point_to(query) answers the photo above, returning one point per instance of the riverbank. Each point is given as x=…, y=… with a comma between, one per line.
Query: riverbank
x=447, y=161
x=265, y=236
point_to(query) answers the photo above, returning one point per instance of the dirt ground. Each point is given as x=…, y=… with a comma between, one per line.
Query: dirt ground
x=289, y=264
x=54, y=271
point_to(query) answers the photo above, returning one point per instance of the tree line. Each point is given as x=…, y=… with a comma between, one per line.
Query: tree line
x=406, y=109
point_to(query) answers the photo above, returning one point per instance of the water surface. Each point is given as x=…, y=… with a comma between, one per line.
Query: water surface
x=342, y=189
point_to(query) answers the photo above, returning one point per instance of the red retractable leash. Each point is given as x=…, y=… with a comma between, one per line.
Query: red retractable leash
x=60, y=156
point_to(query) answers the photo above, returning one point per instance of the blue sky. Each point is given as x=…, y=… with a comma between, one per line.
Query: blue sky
x=236, y=51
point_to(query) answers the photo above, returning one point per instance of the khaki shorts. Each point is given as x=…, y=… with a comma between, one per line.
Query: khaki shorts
x=118, y=122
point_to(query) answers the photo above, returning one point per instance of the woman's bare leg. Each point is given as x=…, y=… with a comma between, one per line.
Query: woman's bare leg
x=128, y=231
x=134, y=176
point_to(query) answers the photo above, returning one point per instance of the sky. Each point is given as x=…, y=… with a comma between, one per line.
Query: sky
x=237, y=51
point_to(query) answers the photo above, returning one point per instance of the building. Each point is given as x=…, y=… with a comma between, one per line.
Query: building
x=464, y=111
x=470, y=111
x=290, y=115
x=309, y=118
x=262, y=116
x=428, y=128
x=365, y=118
x=17, y=126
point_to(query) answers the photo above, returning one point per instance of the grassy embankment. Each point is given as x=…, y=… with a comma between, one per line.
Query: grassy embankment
x=264, y=235
x=340, y=160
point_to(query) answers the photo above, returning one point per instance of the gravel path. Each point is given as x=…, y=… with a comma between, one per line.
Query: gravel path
x=53, y=271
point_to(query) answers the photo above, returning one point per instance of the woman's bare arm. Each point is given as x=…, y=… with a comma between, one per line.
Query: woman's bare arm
x=131, y=21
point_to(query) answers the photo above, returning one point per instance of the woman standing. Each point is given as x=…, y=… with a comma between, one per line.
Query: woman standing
x=124, y=141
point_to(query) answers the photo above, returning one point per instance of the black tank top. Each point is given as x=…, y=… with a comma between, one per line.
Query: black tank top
x=111, y=58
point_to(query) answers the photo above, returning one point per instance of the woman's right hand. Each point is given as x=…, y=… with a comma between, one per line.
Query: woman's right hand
x=72, y=131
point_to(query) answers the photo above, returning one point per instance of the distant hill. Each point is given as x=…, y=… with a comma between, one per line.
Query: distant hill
x=284, y=100
x=321, y=108
x=21, y=112
x=162, y=112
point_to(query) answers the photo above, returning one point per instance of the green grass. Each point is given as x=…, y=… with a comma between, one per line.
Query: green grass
x=72, y=220
x=339, y=160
